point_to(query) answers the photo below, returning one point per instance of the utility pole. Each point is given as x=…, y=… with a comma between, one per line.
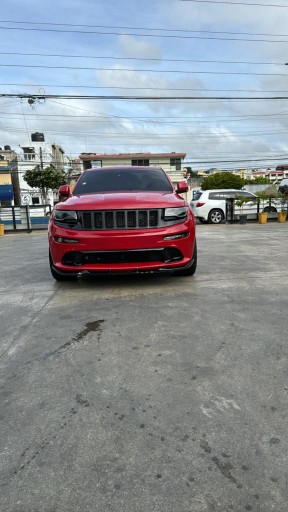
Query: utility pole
x=41, y=158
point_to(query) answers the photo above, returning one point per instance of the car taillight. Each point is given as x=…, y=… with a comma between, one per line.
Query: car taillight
x=199, y=204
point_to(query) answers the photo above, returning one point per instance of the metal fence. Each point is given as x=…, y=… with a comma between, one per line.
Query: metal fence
x=25, y=218
x=233, y=212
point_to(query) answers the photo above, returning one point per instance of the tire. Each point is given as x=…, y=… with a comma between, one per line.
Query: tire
x=216, y=216
x=270, y=209
x=57, y=275
x=203, y=221
x=191, y=270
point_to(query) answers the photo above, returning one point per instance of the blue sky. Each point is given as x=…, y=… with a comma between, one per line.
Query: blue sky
x=119, y=40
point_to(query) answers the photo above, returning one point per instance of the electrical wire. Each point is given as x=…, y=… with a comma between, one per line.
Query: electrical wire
x=147, y=88
x=187, y=161
x=146, y=135
x=178, y=71
x=143, y=59
x=151, y=29
x=250, y=4
x=146, y=98
x=167, y=36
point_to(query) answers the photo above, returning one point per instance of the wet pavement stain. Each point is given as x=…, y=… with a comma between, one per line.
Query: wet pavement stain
x=89, y=327
x=82, y=401
x=29, y=455
x=274, y=440
x=205, y=446
x=225, y=469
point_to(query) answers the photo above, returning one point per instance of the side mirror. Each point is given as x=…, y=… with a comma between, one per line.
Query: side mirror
x=182, y=187
x=64, y=191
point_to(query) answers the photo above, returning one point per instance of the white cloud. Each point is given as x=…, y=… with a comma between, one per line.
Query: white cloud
x=133, y=47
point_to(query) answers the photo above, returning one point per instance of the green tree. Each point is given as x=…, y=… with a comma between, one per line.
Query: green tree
x=45, y=179
x=259, y=180
x=222, y=180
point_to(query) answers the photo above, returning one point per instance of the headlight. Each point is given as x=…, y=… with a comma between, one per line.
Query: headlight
x=175, y=213
x=65, y=217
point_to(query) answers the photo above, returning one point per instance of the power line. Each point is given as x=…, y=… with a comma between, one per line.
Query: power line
x=197, y=119
x=145, y=98
x=146, y=88
x=153, y=118
x=234, y=3
x=142, y=58
x=169, y=36
x=238, y=161
x=179, y=121
x=182, y=72
x=151, y=29
x=212, y=123
x=162, y=136
x=241, y=163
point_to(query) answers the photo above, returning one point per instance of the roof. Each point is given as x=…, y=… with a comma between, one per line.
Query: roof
x=123, y=156
x=128, y=167
x=267, y=172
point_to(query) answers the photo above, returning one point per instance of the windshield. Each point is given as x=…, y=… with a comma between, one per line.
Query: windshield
x=111, y=180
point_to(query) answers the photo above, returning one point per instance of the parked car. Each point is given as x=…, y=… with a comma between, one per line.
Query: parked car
x=209, y=206
x=122, y=219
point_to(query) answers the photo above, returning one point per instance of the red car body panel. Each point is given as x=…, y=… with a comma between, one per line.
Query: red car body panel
x=119, y=200
x=125, y=240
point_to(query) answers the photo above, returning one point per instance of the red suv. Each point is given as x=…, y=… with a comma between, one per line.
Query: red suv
x=122, y=220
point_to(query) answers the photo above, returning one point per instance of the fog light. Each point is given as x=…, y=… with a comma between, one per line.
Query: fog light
x=175, y=237
x=59, y=239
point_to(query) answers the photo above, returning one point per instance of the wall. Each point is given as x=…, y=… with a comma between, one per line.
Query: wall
x=5, y=178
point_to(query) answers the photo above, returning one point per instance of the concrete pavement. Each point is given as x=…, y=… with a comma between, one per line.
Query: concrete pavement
x=146, y=393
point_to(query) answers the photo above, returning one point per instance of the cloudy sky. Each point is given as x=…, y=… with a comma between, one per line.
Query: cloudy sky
x=171, y=49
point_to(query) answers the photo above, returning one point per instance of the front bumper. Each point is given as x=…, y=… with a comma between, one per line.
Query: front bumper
x=122, y=251
x=201, y=213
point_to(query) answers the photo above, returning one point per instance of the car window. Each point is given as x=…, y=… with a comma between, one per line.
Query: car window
x=218, y=196
x=121, y=179
x=232, y=193
x=243, y=193
x=196, y=196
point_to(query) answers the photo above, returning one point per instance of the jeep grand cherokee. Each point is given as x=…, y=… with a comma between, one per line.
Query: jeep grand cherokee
x=122, y=219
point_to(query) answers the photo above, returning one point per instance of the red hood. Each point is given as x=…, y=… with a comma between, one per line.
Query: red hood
x=122, y=200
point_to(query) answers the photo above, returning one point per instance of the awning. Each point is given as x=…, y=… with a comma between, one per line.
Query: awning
x=6, y=192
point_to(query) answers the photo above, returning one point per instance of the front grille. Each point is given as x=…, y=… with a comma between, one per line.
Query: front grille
x=78, y=258
x=119, y=219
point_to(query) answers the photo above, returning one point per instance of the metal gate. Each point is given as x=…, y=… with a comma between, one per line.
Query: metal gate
x=25, y=218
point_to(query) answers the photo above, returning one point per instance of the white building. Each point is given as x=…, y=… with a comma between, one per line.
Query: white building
x=33, y=153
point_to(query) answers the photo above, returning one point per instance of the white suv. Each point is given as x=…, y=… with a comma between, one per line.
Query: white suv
x=210, y=205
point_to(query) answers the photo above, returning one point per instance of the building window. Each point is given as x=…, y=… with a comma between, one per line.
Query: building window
x=141, y=162
x=175, y=162
x=36, y=200
x=29, y=153
x=96, y=163
x=29, y=156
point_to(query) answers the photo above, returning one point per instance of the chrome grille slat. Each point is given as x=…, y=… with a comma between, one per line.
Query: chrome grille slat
x=119, y=219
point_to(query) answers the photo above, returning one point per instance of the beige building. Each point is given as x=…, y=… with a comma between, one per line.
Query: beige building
x=172, y=163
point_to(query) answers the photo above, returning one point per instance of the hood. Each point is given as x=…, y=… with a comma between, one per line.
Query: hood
x=122, y=200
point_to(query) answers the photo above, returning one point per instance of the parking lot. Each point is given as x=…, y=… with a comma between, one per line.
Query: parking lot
x=147, y=393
